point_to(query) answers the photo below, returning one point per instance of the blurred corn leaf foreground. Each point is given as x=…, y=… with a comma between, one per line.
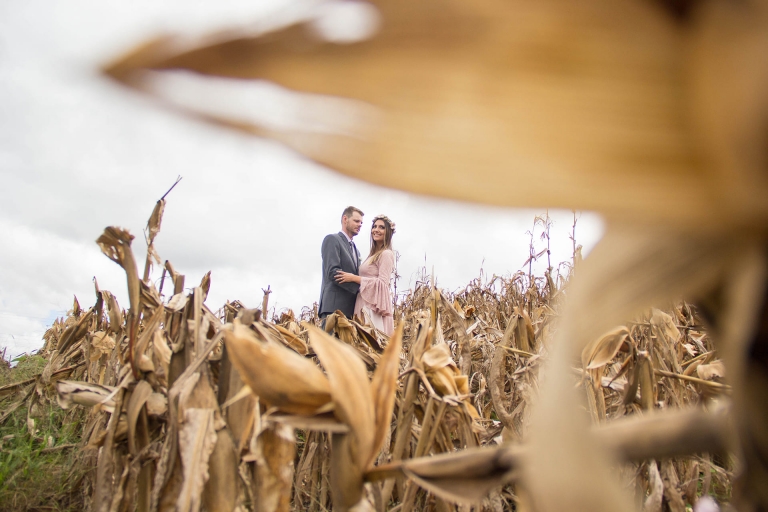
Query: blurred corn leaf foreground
x=575, y=92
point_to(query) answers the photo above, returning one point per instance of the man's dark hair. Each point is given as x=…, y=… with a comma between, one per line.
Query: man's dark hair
x=349, y=210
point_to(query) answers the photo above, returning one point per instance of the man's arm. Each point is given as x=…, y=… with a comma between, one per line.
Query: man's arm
x=331, y=253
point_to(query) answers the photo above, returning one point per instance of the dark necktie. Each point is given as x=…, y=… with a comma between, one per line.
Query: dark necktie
x=353, y=251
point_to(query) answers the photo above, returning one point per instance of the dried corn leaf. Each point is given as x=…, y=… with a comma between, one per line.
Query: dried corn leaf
x=151, y=327
x=350, y=390
x=239, y=407
x=602, y=351
x=83, y=393
x=438, y=356
x=665, y=325
x=293, y=341
x=712, y=371
x=177, y=303
x=139, y=397
x=101, y=343
x=197, y=439
x=276, y=374
x=343, y=328
x=653, y=501
x=15, y=387
x=384, y=387
x=153, y=228
x=367, y=335
x=346, y=479
x=275, y=451
x=525, y=338
x=646, y=381
x=441, y=370
x=463, y=477
x=161, y=351
x=74, y=333
x=115, y=314
x=321, y=422
x=221, y=490
x=205, y=285
x=115, y=243
x=157, y=405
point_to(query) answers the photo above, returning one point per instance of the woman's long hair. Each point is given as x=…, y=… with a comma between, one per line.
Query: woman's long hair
x=389, y=230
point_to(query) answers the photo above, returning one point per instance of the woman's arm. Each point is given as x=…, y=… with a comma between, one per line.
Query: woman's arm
x=386, y=266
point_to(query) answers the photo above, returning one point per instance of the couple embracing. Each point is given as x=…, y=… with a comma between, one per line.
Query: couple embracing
x=355, y=286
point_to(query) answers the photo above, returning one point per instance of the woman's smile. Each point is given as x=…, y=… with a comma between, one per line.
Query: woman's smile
x=378, y=231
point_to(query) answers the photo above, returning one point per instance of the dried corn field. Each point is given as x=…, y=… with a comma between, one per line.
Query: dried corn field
x=192, y=409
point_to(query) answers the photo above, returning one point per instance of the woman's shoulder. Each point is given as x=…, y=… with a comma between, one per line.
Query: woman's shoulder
x=388, y=256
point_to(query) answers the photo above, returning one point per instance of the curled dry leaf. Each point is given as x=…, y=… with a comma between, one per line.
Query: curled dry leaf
x=84, y=393
x=524, y=334
x=441, y=370
x=157, y=405
x=161, y=351
x=665, y=326
x=293, y=341
x=153, y=228
x=277, y=375
x=177, y=302
x=344, y=328
x=367, y=334
x=101, y=343
x=712, y=371
x=115, y=243
x=444, y=375
x=462, y=477
x=139, y=397
x=602, y=351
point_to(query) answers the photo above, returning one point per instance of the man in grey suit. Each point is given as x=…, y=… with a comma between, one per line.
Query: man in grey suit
x=340, y=253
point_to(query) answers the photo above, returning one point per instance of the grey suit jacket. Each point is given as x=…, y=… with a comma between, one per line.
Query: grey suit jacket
x=337, y=256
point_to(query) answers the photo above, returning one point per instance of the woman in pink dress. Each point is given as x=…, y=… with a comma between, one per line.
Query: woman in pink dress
x=374, y=299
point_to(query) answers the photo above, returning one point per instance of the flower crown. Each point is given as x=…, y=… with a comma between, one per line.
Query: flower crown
x=387, y=220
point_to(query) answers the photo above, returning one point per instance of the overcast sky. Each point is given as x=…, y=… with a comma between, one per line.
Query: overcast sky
x=79, y=153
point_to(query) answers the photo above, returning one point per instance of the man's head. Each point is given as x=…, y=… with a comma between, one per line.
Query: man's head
x=351, y=221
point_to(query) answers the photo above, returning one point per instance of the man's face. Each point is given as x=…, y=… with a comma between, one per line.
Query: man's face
x=352, y=225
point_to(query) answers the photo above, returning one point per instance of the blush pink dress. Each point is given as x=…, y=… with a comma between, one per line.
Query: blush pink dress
x=375, y=298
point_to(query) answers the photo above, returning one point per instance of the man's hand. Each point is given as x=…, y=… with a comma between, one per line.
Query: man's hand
x=347, y=277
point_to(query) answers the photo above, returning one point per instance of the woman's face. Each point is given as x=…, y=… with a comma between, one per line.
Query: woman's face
x=378, y=231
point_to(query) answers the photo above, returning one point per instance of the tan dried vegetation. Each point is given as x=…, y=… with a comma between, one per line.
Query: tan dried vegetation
x=190, y=409
x=652, y=113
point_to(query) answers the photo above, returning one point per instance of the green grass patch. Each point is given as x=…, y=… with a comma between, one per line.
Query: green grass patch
x=26, y=367
x=39, y=471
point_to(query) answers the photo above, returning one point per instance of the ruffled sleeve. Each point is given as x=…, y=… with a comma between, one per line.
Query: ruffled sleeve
x=375, y=290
